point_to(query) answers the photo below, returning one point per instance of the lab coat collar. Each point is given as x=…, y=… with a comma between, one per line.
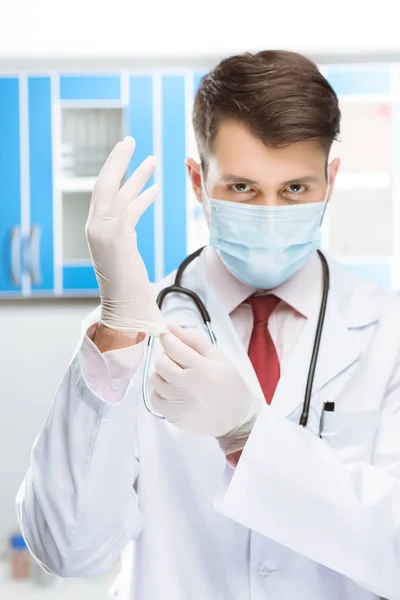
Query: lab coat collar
x=357, y=300
x=353, y=306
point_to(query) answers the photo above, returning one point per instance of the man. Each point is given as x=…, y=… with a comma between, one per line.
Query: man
x=228, y=497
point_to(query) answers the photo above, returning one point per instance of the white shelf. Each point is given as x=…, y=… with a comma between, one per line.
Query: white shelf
x=76, y=184
x=91, y=104
x=362, y=181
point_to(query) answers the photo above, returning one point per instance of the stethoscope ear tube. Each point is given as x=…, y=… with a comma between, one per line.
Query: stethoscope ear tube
x=175, y=288
x=145, y=377
x=317, y=342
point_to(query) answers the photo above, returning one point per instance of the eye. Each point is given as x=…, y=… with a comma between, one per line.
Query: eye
x=241, y=188
x=296, y=188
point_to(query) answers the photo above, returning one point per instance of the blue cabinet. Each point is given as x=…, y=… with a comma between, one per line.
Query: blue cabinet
x=57, y=130
x=26, y=196
x=90, y=117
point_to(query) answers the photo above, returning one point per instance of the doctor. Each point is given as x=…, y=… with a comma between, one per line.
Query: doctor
x=228, y=497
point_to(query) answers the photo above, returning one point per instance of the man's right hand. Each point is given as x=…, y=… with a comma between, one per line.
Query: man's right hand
x=126, y=304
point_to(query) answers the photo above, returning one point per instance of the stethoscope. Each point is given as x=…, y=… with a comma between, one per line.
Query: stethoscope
x=177, y=288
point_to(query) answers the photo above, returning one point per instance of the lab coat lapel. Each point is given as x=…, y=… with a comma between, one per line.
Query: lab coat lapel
x=348, y=310
x=339, y=349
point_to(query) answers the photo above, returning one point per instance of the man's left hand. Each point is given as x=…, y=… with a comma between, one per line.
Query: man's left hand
x=198, y=389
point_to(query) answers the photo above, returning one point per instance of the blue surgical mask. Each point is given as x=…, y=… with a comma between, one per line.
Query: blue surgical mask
x=263, y=246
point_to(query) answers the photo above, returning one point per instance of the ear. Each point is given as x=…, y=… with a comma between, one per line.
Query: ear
x=194, y=173
x=333, y=171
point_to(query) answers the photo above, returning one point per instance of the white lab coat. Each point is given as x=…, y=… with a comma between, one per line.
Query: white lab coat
x=301, y=518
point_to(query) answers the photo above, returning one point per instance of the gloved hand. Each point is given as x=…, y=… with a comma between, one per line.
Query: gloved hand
x=126, y=304
x=199, y=390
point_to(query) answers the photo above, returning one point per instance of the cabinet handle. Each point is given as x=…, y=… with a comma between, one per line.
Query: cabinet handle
x=36, y=274
x=16, y=255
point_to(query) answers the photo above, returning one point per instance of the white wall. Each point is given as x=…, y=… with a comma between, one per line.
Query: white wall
x=125, y=28
x=37, y=340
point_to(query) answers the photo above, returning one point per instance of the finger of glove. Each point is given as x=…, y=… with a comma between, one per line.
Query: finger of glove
x=138, y=206
x=165, y=389
x=179, y=352
x=172, y=410
x=134, y=185
x=194, y=340
x=109, y=180
x=169, y=370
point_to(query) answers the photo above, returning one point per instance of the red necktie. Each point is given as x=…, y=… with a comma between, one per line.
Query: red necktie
x=262, y=351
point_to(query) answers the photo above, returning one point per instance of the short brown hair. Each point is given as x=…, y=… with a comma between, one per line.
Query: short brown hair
x=280, y=96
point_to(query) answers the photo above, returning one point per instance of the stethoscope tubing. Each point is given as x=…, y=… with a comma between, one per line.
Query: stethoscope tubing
x=177, y=288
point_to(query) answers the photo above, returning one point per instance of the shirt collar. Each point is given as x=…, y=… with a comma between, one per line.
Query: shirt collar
x=297, y=292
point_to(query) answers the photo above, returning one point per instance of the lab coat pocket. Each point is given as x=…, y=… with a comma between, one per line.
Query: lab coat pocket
x=351, y=435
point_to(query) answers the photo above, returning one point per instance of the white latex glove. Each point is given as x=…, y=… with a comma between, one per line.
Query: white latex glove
x=198, y=389
x=126, y=304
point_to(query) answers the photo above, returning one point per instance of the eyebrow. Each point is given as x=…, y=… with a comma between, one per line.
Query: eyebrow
x=239, y=179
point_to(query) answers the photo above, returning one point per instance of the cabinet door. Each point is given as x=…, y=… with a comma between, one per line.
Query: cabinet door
x=10, y=188
x=156, y=118
x=173, y=126
x=41, y=254
x=140, y=124
x=91, y=123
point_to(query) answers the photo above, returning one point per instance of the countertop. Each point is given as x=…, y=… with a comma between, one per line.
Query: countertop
x=92, y=588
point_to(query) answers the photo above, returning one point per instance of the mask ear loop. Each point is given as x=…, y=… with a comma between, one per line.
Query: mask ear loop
x=202, y=182
x=328, y=188
x=206, y=197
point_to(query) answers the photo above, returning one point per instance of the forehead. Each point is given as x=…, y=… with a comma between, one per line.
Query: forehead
x=237, y=151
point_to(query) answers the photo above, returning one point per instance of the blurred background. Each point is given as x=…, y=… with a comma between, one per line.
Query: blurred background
x=76, y=77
